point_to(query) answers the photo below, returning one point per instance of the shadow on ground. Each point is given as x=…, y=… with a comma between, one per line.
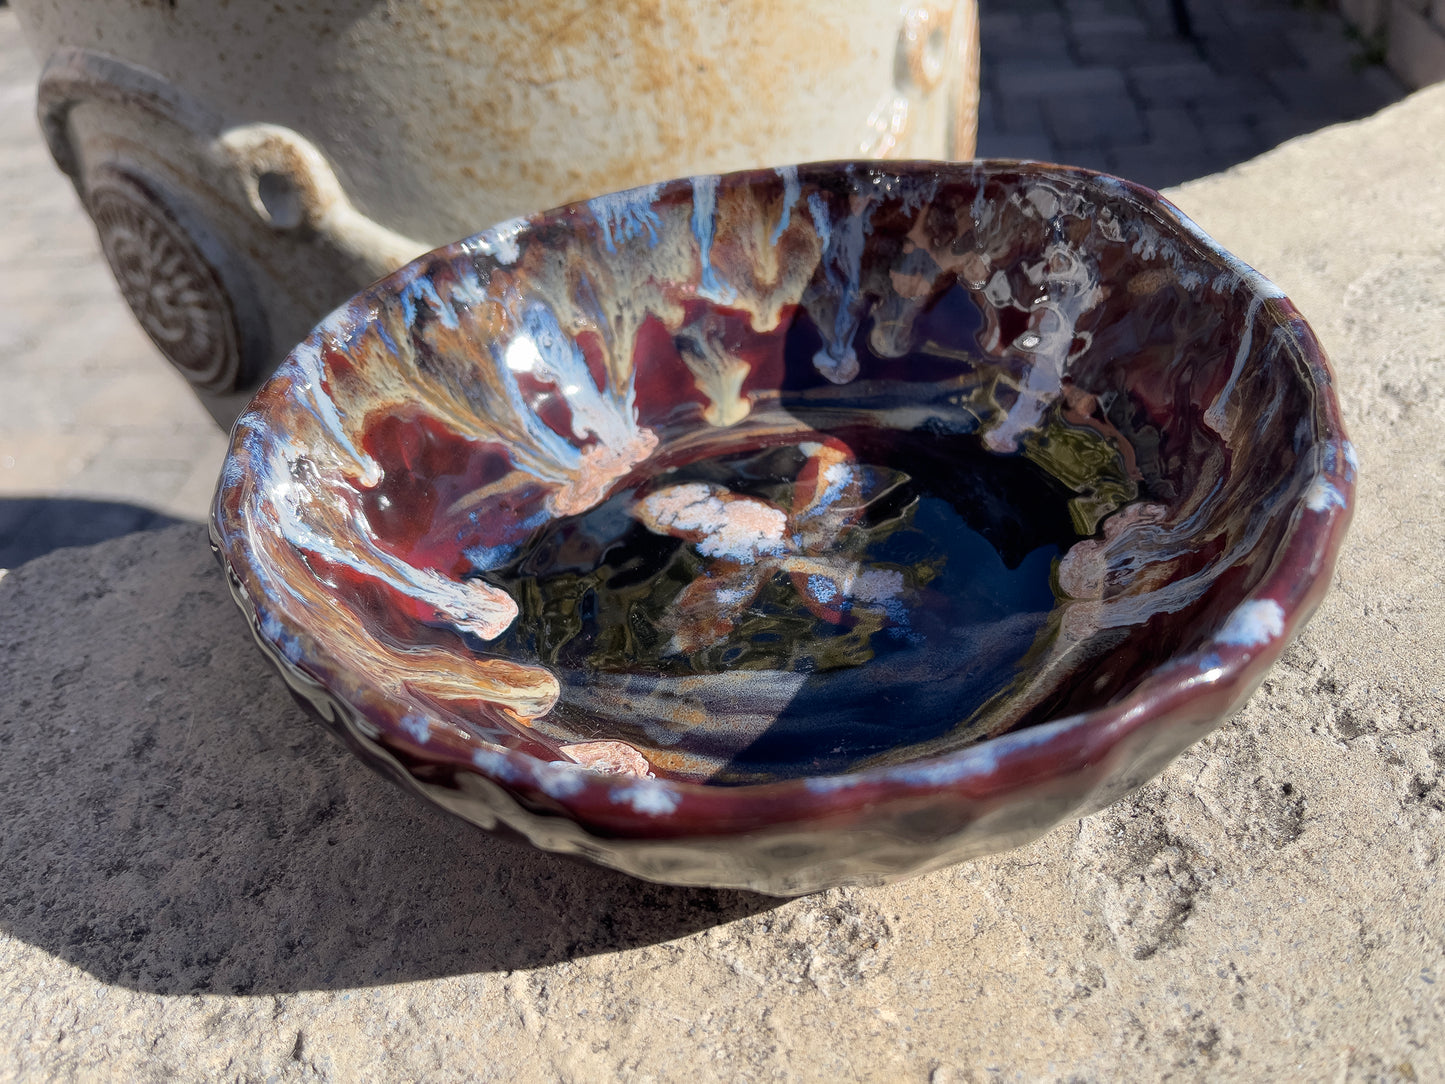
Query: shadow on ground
x=31, y=527
x=175, y=824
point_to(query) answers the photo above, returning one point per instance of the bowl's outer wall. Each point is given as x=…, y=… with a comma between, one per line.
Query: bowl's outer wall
x=1247, y=410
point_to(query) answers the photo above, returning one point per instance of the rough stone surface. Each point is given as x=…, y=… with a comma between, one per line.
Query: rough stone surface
x=197, y=884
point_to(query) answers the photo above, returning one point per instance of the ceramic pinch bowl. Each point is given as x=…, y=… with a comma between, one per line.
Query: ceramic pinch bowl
x=793, y=528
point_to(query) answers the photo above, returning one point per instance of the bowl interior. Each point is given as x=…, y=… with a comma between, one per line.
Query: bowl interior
x=782, y=474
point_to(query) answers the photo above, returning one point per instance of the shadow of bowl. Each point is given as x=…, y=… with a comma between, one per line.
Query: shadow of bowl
x=175, y=824
x=31, y=527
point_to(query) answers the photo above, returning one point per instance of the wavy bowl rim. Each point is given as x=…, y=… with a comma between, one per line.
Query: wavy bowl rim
x=1217, y=675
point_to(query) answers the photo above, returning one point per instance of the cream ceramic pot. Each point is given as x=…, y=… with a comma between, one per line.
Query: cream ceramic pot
x=248, y=167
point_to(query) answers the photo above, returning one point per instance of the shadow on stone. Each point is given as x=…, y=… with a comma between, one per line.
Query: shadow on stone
x=31, y=527
x=175, y=824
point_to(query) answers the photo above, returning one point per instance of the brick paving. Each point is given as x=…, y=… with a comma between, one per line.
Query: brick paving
x=1114, y=85
x=98, y=436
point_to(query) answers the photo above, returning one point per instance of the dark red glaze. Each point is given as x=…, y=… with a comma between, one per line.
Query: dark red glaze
x=386, y=485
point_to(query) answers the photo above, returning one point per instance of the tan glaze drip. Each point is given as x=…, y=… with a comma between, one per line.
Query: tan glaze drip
x=441, y=673
x=718, y=372
x=760, y=269
x=748, y=541
x=611, y=757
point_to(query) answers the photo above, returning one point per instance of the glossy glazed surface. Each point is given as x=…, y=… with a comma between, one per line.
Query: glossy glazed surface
x=794, y=527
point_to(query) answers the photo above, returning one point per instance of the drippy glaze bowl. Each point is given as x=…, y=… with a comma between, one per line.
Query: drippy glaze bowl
x=795, y=528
